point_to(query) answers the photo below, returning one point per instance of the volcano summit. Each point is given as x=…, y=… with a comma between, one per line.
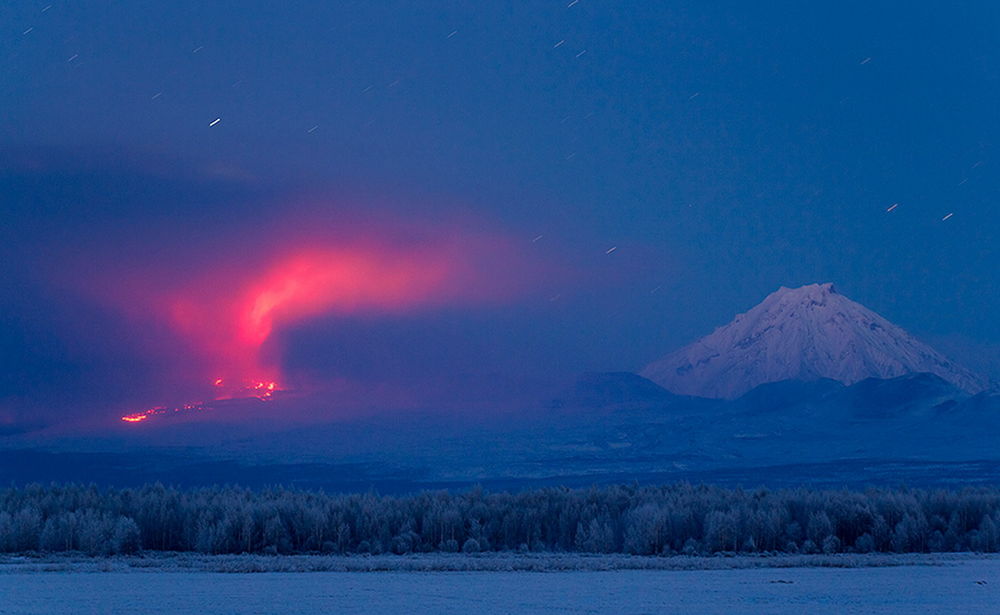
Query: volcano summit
x=805, y=333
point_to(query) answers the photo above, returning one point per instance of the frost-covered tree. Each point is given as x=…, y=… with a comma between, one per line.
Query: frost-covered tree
x=650, y=520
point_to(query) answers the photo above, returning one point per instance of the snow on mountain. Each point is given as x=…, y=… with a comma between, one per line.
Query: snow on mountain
x=803, y=333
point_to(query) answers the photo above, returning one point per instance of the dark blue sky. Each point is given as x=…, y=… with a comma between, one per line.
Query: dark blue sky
x=721, y=149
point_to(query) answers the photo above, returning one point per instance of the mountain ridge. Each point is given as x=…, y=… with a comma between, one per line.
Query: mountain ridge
x=806, y=333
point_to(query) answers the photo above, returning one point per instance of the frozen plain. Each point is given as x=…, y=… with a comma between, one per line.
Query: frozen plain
x=953, y=584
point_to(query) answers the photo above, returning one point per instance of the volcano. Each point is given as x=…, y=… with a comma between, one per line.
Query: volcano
x=806, y=334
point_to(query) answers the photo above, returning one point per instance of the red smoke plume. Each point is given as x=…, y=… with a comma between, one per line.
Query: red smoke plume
x=229, y=318
x=226, y=304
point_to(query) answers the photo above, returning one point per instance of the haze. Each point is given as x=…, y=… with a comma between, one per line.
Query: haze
x=490, y=193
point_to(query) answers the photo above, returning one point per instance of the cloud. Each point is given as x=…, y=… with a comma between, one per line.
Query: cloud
x=254, y=284
x=153, y=278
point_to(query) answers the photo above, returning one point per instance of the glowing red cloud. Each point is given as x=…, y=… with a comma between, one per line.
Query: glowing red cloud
x=311, y=284
x=230, y=317
x=208, y=310
x=206, y=303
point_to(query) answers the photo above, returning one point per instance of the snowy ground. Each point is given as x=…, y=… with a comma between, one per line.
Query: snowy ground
x=449, y=562
x=958, y=584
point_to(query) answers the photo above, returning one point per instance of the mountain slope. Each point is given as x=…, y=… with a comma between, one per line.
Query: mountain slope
x=803, y=333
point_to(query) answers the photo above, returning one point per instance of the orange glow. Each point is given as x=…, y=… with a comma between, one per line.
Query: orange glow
x=142, y=416
x=258, y=389
x=263, y=390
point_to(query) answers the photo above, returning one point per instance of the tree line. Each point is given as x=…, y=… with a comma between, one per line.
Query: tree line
x=641, y=520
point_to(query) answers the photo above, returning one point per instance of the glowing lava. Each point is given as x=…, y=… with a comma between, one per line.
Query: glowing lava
x=138, y=417
x=258, y=389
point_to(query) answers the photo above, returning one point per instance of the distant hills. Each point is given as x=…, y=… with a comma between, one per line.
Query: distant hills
x=808, y=387
x=915, y=429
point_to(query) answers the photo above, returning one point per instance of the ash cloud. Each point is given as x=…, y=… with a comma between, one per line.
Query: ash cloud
x=131, y=281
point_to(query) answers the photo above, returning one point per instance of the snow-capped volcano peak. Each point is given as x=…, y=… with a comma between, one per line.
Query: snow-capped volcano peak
x=802, y=333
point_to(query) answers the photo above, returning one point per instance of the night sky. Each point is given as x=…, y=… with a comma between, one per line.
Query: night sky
x=474, y=191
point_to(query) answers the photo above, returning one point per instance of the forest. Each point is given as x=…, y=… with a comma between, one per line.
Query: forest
x=632, y=519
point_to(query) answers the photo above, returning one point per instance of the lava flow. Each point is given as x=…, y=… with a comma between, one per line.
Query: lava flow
x=260, y=390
